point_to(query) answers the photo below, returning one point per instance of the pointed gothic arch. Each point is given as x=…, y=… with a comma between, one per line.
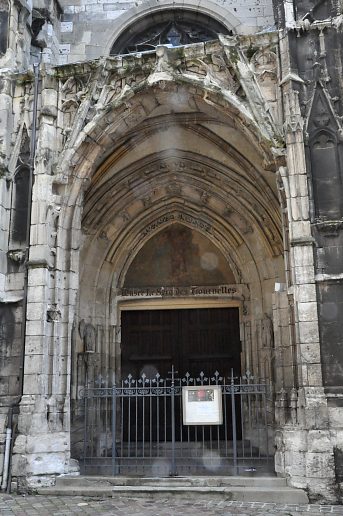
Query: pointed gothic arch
x=325, y=156
x=170, y=144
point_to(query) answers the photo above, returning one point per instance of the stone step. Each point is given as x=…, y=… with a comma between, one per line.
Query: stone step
x=266, y=493
x=187, y=466
x=195, y=481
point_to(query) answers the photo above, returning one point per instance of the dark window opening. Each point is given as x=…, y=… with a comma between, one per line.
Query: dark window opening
x=20, y=208
x=3, y=26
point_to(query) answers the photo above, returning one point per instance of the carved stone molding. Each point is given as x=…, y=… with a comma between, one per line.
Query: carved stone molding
x=330, y=228
x=302, y=241
x=293, y=120
x=174, y=188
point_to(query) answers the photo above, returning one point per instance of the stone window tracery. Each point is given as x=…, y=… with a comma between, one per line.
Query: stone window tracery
x=170, y=27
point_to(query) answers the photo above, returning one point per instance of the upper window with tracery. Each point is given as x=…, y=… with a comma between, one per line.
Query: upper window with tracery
x=170, y=27
x=4, y=13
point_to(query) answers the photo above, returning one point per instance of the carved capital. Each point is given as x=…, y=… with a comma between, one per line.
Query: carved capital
x=17, y=255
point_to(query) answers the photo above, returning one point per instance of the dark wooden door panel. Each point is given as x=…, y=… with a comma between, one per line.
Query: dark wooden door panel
x=193, y=340
x=148, y=342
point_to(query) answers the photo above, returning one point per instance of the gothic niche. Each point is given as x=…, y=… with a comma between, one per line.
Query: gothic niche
x=168, y=27
x=20, y=206
x=181, y=257
x=326, y=177
x=325, y=163
x=20, y=192
x=3, y=26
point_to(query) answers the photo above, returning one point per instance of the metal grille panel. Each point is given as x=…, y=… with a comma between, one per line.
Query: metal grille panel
x=136, y=428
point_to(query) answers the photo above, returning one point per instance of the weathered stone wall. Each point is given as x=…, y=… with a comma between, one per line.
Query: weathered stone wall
x=14, y=173
x=46, y=26
x=89, y=28
x=310, y=64
x=28, y=29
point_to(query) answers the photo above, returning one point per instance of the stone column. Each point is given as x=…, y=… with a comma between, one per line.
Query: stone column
x=42, y=448
x=304, y=451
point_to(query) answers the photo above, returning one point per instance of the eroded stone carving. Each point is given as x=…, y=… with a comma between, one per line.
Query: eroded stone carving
x=53, y=313
x=88, y=335
x=224, y=70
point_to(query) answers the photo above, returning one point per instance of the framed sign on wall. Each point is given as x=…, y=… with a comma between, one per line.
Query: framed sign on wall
x=202, y=405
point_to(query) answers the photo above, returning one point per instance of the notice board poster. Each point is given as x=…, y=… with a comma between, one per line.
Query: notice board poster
x=202, y=405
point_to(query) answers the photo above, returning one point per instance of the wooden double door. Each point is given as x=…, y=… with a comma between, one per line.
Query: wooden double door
x=193, y=340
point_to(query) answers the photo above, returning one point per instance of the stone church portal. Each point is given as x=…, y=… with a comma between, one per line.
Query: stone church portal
x=171, y=199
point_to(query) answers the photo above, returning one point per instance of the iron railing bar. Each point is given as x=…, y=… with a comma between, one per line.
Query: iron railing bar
x=114, y=424
x=258, y=425
x=129, y=427
x=233, y=415
x=180, y=422
x=121, y=425
x=172, y=406
x=92, y=427
x=242, y=425
x=249, y=421
x=195, y=427
x=136, y=413
x=104, y=406
x=158, y=397
x=264, y=401
x=150, y=419
x=143, y=425
x=226, y=401
x=85, y=432
x=165, y=415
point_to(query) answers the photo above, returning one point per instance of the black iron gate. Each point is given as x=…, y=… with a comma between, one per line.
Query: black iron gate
x=137, y=428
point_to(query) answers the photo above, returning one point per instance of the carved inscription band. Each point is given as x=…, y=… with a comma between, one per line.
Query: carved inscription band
x=227, y=290
x=182, y=217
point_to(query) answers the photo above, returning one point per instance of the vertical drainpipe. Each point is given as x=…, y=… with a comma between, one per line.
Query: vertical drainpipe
x=8, y=446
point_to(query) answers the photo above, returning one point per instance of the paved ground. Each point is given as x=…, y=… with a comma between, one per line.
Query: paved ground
x=20, y=505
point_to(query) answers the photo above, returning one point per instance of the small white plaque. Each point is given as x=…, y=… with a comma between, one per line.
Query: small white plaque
x=202, y=405
x=64, y=49
x=66, y=26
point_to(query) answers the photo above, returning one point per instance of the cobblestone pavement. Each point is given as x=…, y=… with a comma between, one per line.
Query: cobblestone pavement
x=21, y=505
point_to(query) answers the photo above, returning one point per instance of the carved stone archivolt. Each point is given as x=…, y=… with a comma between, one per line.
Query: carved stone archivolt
x=177, y=178
x=73, y=91
x=187, y=140
x=86, y=92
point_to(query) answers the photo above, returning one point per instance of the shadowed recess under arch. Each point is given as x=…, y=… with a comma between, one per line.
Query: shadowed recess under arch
x=180, y=257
